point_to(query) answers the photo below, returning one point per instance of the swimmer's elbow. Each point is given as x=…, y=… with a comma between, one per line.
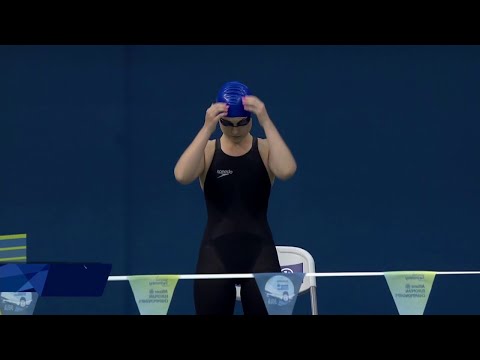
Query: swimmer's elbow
x=286, y=173
x=182, y=178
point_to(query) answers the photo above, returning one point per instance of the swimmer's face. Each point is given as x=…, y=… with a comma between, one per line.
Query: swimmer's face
x=236, y=127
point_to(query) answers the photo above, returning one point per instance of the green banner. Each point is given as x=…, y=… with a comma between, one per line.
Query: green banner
x=13, y=248
x=410, y=290
x=153, y=293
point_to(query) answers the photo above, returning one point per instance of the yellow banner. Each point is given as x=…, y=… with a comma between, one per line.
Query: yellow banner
x=410, y=290
x=153, y=293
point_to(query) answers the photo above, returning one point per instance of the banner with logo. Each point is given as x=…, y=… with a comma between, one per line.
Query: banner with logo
x=17, y=303
x=410, y=290
x=153, y=293
x=279, y=291
x=13, y=249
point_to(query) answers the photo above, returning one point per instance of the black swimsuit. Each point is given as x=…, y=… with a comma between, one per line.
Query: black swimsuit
x=237, y=237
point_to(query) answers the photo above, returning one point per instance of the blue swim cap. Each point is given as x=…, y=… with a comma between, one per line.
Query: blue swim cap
x=231, y=93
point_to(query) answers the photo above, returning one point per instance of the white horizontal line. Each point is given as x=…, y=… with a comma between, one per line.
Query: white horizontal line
x=326, y=274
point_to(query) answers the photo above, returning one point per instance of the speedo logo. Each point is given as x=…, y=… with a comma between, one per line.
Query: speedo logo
x=222, y=173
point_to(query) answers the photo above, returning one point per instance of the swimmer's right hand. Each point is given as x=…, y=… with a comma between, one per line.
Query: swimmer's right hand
x=214, y=113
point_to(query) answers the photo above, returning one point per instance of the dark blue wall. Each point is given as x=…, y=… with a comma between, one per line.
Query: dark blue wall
x=386, y=140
